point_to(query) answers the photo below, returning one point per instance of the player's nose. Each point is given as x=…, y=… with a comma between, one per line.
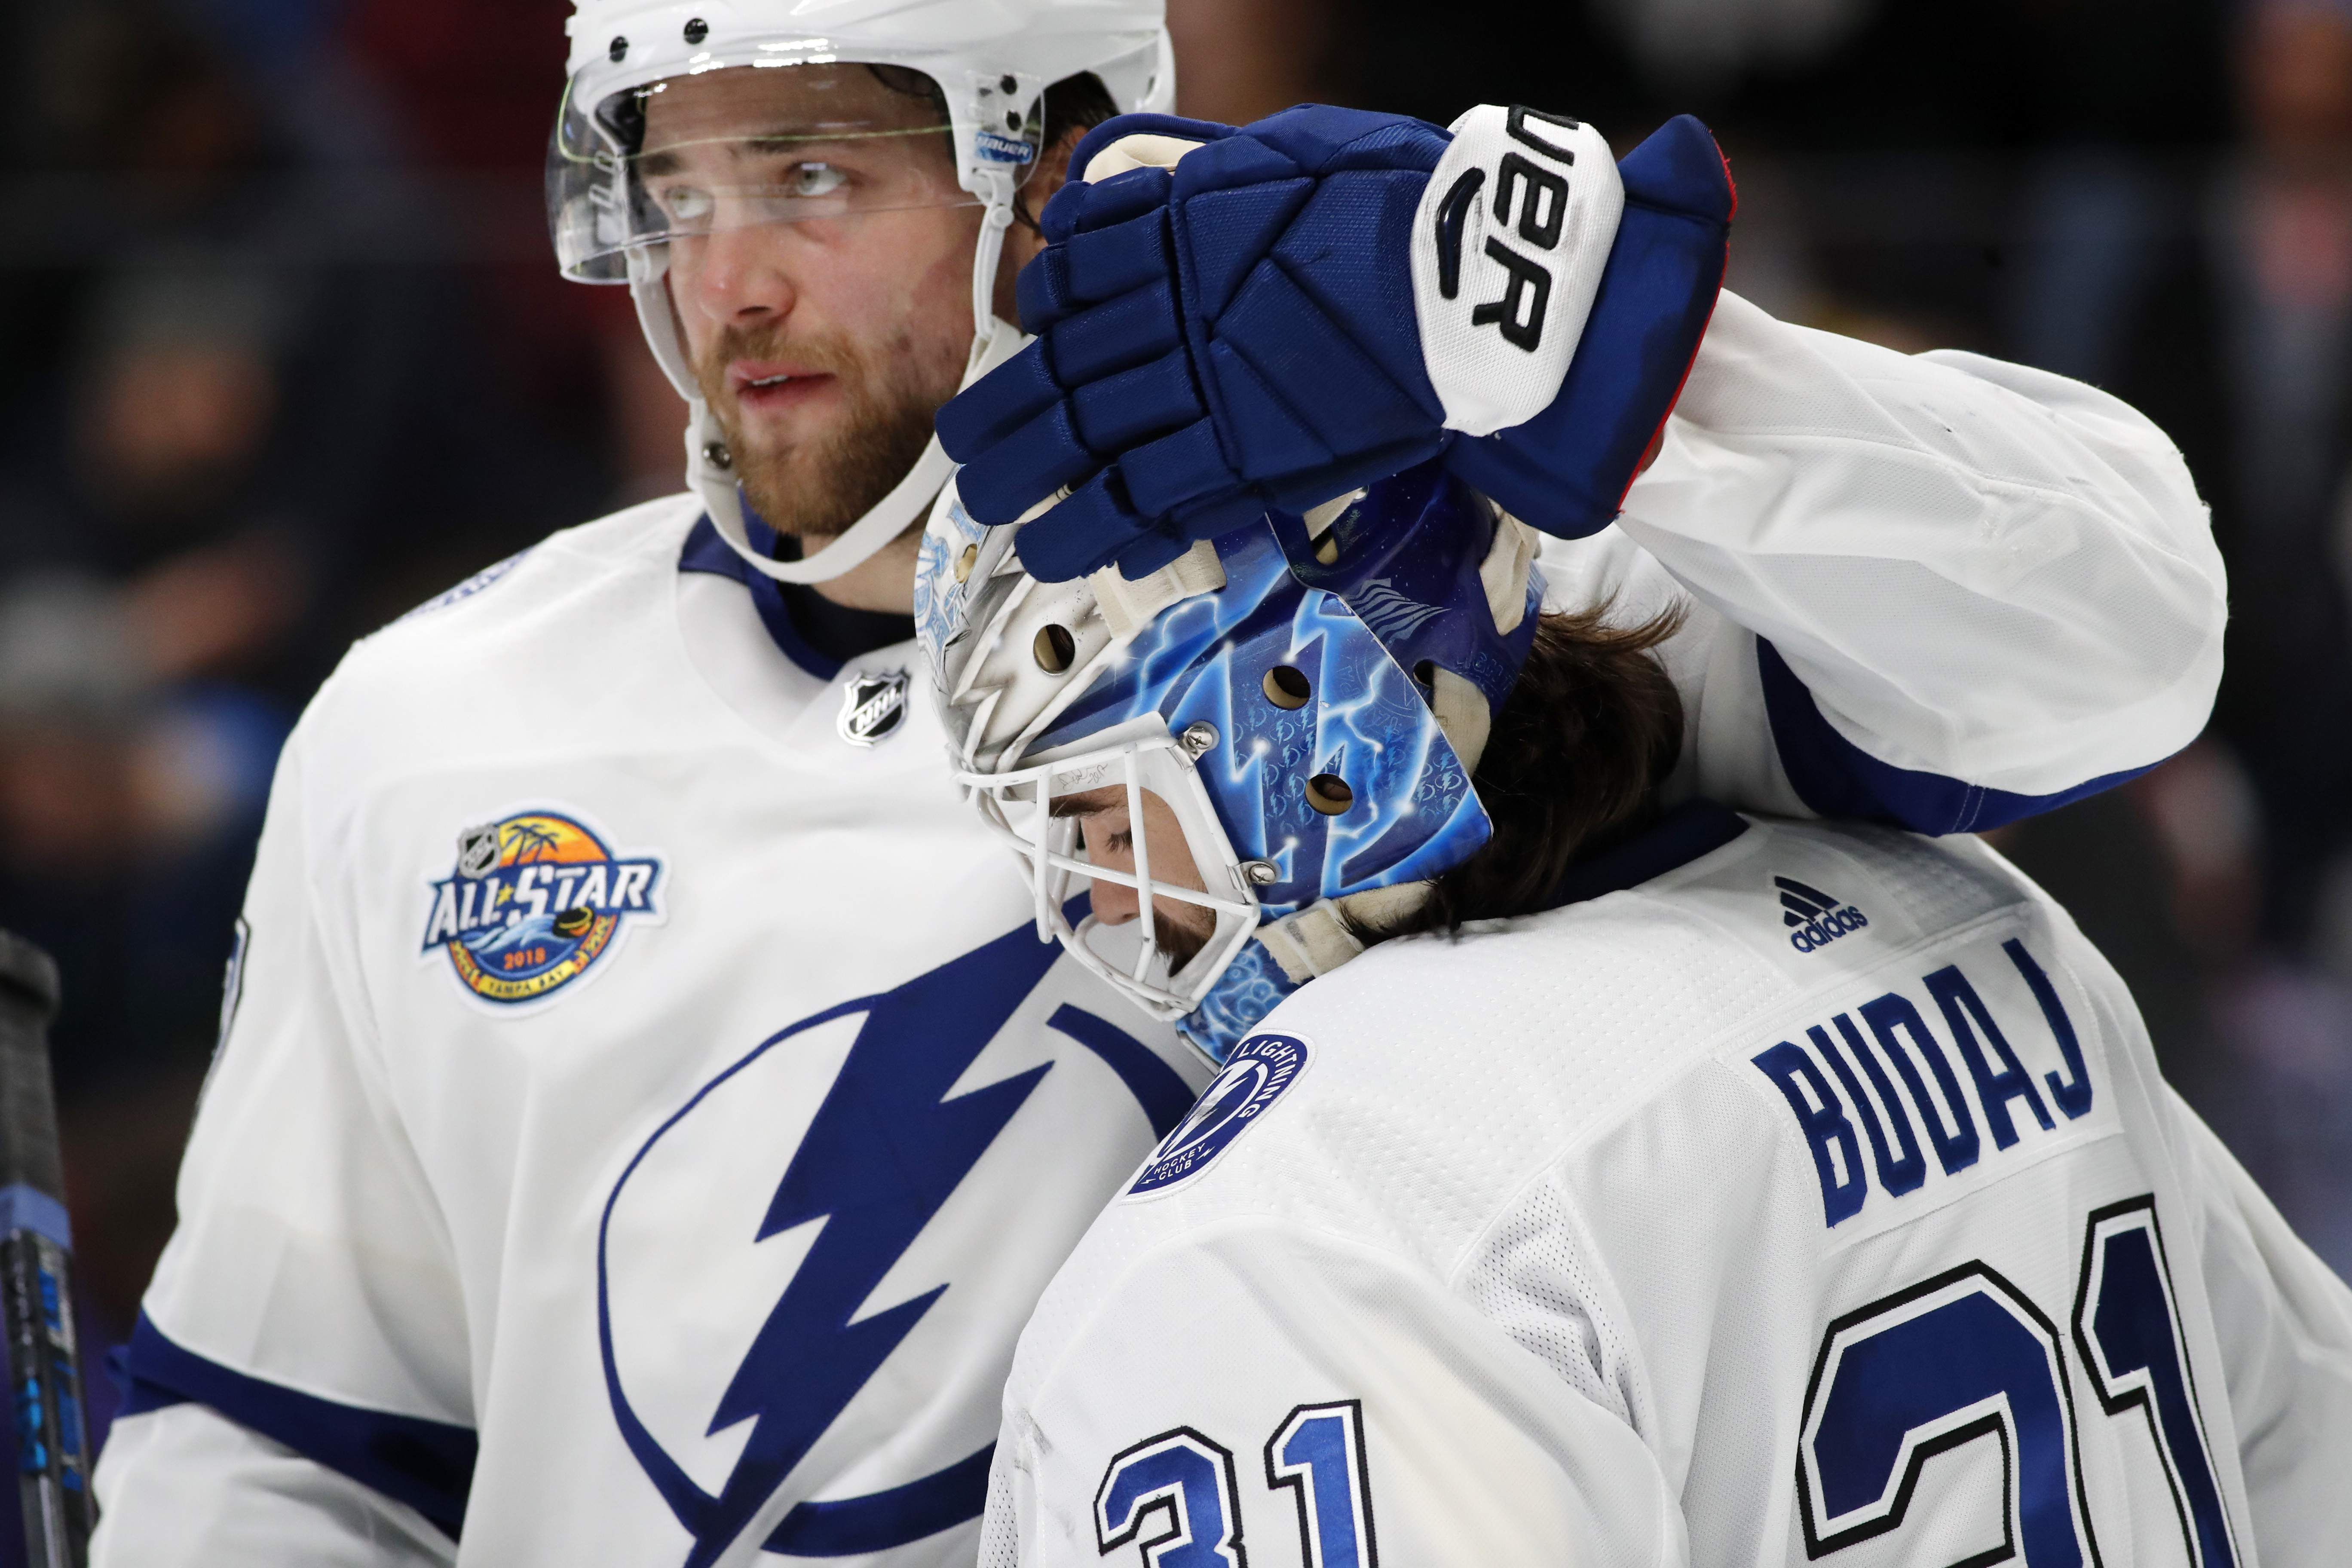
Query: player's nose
x=740, y=276
x=1114, y=905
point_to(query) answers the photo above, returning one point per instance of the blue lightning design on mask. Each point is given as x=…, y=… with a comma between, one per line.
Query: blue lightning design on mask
x=885, y=1151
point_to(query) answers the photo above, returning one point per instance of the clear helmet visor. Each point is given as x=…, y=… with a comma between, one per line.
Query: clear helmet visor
x=733, y=144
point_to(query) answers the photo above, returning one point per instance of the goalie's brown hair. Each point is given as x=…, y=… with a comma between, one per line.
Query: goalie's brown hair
x=1573, y=763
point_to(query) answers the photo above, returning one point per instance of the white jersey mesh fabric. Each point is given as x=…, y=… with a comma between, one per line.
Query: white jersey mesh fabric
x=1535, y=1277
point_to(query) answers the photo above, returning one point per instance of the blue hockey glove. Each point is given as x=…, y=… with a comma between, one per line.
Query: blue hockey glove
x=1567, y=469
x=1326, y=298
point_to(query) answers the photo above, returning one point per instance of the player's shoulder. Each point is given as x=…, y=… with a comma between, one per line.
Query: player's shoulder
x=577, y=589
x=1709, y=920
x=550, y=638
x=1407, y=1097
x=532, y=592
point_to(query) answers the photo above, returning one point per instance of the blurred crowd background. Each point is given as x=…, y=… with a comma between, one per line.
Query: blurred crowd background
x=283, y=352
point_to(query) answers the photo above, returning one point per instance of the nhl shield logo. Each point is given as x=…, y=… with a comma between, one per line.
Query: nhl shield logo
x=873, y=706
x=477, y=851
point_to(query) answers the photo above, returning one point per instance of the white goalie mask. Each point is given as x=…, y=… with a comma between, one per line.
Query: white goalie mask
x=1019, y=655
x=785, y=111
x=1306, y=695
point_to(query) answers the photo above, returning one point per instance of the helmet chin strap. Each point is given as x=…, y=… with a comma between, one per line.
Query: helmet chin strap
x=711, y=468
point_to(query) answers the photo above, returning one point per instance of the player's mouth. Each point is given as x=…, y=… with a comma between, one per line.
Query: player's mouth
x=768, y=386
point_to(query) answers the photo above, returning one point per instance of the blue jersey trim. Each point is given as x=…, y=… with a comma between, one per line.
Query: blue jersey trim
x=705, y=552
x=1694, y=828
x=428, y=1465
x=855, y=1526
x=1838, y=778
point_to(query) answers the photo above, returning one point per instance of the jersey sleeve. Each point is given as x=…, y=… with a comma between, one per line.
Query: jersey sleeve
x=1939, y=590
x=309, y=1294
x=2284, y=1323
x=186, y=1485
x=1256, y=1385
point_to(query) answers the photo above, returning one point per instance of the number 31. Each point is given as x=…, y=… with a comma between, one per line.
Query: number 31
x=1185, y=1480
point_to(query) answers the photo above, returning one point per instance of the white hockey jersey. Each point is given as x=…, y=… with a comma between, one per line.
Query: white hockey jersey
x=645, y=1118
x=606, y=1152
x=1796, y=1193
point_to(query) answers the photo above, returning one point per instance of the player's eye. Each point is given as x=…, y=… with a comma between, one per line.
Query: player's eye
x=806, y=180
x=686, y=207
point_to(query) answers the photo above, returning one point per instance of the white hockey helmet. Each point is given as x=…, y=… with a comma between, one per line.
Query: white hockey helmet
x=990, y=61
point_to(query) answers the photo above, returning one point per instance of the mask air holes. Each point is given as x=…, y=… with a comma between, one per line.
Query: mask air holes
x=1287, y=688
x=618, y=50
x=697, y=30
x=965, y=562
x=1054, y=648
x=1327, y=550
x=1329, y=793
x=1426, y=673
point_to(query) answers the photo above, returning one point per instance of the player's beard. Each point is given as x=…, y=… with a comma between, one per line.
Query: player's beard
x=1178, y=946
x=814, y=488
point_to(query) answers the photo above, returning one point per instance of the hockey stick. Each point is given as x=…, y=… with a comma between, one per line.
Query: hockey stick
x=36, y=1312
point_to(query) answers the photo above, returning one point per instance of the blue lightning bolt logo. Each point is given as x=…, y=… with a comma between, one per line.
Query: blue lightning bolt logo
x=885, y=1151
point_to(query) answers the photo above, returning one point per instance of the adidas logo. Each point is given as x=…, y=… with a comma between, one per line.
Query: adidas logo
x=1817, y=916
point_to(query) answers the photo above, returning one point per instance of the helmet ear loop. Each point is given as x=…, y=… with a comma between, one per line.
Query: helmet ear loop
x=987, y=256
x=657, y=318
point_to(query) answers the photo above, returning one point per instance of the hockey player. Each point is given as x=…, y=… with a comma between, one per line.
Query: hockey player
x=1731, y=1190
x=607, y=1159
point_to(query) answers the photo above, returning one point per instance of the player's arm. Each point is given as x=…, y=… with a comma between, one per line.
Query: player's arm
x=1941, y=591
x=2283, y=1321
x=188, y=1485
x=299, y=1387
x=1255, y=1385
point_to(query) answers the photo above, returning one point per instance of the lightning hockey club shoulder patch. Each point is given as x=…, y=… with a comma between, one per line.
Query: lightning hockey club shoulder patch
x=535, y=899
x=1259, y=1072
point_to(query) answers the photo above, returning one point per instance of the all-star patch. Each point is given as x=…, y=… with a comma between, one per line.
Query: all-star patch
x=533, y=902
